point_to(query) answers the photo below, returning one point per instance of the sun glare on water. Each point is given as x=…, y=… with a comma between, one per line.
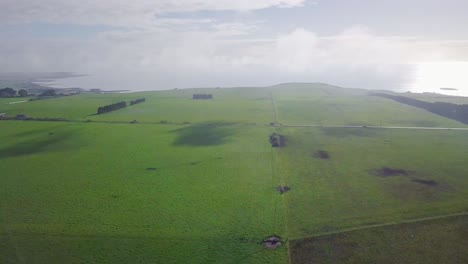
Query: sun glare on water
x=450, y=77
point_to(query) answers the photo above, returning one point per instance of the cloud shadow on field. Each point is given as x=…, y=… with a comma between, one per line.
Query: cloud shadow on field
x=35, y=132
x=37, y=145
x=202, y=135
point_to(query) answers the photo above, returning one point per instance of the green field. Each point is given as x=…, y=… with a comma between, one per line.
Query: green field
x=194, y=181
x=431, y=241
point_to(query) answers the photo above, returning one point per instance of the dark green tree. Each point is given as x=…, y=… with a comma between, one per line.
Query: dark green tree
x=7, y=92
x=50, y=92
x=23, y=93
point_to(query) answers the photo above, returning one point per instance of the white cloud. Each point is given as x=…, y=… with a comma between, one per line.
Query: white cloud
x=221, y=54
x=120, y=12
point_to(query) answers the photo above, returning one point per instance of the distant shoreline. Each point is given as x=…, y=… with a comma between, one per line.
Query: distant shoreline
x=448, y=89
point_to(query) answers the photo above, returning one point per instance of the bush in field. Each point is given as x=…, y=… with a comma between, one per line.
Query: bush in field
x=276, y=140
x=202, y=96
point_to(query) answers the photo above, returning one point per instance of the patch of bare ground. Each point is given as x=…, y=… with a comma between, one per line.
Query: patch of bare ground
x=426, y=182
x=390, y=172
x=283, y=189
x=409, y=190
x=322, y=154
x=272, y=242
x=411, y=186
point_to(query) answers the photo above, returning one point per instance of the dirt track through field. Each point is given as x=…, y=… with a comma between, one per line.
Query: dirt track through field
x=386, y=224
x=275, y=112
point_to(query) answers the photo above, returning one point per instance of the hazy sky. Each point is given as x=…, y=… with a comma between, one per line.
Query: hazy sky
x=156, y=44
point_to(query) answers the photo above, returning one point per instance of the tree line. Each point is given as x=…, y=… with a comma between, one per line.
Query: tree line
x=10, y=92
x=449, y=110
x=111, y=107
x=137, y=101
x=202, y=96
x=119, y=105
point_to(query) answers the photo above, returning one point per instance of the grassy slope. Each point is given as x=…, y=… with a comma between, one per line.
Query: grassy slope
x=296, y=104
x=210, y=203
x=300, y=104
x=434, y=241
x=240, y=105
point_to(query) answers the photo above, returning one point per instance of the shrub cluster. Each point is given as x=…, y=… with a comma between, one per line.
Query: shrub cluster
x=28, y=118
x=277, y=140
x=202, y=96
x=137, y=101
x=9, y=92
x=111, y=107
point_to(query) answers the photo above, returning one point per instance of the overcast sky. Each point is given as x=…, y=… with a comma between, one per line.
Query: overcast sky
x=156, y=44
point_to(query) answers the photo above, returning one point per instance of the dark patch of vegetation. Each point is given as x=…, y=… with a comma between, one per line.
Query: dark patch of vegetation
x=202, y=135
x=111, y=107
x=202, y=96
x=426, y=182
x=21, y=117
x=448, y=110
x=49, y=92
x=272, y=242
x=322, y=154
x=277, y=141
x=24, y=117
x=283, y=189
x=7, y=92
x=23, y=93
x=138, y=101
x=389, y=172
x=411, y=191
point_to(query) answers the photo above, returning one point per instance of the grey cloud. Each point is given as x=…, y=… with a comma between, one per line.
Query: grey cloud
x=120, y=13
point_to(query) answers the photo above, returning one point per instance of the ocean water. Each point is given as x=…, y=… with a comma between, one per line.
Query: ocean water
x=430, y=77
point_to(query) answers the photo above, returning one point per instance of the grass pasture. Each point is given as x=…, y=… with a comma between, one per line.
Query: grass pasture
x=213, y=201
x=201, y=186
x=343, y=191
x=242, y=105
x=433, y=241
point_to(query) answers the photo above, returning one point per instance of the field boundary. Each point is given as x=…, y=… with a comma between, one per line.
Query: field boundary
x=239, y=124
x=364, y=227
x=275, y=111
